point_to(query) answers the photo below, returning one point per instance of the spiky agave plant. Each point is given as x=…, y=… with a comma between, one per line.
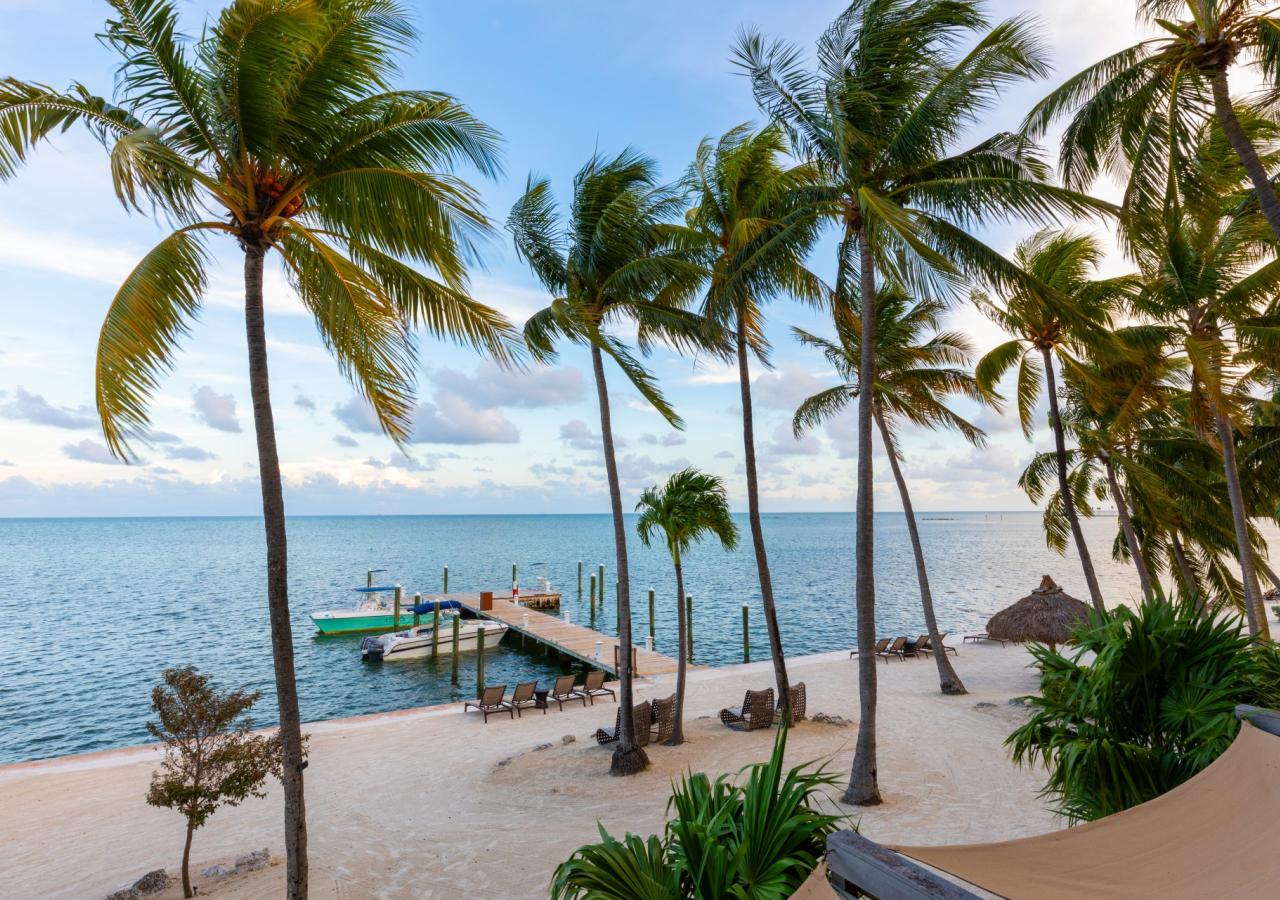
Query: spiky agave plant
x=278, y=128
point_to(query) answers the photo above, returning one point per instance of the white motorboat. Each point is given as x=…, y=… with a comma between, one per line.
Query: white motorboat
x=416, y=642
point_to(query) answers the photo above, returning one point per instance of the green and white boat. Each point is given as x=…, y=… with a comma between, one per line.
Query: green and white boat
x=375, y=611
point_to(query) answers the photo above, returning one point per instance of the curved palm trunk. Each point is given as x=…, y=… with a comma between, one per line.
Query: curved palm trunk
x=682, y=644
x=1184, y=570
x=757, y=531
x=1126, y=525
x=948, y=680
x=864, y=787
x=295, y=814
x=1240, y=143
x=628, y=758
x=1068, y=502
x=1254, y=610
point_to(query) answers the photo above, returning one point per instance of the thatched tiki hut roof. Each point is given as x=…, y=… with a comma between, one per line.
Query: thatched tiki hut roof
x=1048, y=615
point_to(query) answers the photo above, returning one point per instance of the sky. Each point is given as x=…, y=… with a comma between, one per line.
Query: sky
x=559, y=81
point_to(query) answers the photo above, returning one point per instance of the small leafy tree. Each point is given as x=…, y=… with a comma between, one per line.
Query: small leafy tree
x=1154, y=707
x=211, y=759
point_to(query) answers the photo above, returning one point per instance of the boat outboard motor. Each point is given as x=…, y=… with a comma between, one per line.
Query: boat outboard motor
x=371, y=648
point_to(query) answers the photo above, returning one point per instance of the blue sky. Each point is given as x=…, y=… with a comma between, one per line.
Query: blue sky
x=558, y=80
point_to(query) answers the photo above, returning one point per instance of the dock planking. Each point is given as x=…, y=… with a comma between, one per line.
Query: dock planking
x=568, y=638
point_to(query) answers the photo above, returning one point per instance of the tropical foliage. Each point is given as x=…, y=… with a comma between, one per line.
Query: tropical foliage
x=1153, y=707
x=758, y=839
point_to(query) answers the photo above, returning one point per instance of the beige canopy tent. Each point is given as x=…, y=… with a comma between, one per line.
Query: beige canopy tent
x=1213, y=836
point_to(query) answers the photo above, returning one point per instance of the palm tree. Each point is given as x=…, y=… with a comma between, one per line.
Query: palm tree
x=751, y=225
x=1138, y=109
x=1059, y=322
x=690, y=506
x=917, y=368
x=879, y=118
x=280, y=131
x=610, y=261
x=1209, y=280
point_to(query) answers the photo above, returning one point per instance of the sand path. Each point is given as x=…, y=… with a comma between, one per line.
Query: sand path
x=434, y=803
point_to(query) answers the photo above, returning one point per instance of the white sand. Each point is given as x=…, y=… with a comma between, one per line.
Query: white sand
x=416, y=803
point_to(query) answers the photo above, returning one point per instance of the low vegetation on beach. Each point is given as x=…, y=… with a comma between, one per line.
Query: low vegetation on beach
x=283, y=129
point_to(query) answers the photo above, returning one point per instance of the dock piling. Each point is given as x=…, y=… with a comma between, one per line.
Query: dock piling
x=368, y=578
x=688, y=612
x=446, y=580
x=480, y=660
x=651, y=626
x=746, y=635
x=417, y=617
x=579, y=578
x=399, y=594
x=456, y=622
x=592, y=598
x=435, y=631
x=513, y=574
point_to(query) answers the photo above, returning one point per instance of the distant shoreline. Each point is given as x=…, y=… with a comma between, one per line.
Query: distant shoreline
x=924, y=514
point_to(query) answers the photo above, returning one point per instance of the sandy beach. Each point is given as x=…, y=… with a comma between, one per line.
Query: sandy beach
x=436, y=803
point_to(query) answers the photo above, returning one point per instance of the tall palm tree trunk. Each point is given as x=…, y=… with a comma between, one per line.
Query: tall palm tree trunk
x=757, y=531
x=948, y=680
x=1126, y=526
x=628, y=757
x=295, y=812
x=1254, y=610
x=1244, y=148
x=682, y=644
x=864, y=787
x=1184, y=570
x=1068, y=502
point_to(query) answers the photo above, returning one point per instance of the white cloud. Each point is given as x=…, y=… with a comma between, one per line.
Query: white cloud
x=787, y=387
x=358, y=415
x=670, y=439
x=190, y=453
x=452, y=420
x=33, y=408
x=214, y=409
x=90, y=451
x=343, y=440
x=578, y=435
x=493, y=386
x=784, y=443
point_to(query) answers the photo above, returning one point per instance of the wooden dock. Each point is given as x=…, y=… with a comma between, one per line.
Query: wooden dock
x=571, y=639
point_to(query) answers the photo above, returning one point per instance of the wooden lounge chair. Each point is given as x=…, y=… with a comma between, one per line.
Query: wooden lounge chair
x=881, y=645
x=523, y=696
x=642, y=718
x=594, y=687
x=756, y=712
x=976, y=638
x=490, y=701
x=927, y=646
x=919, y=645
x=564, y=690
x=797, y=703
x=664, y=719
x=898, y=648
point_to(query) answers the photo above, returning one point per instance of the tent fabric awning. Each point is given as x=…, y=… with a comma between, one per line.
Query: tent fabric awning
x=1213, y=836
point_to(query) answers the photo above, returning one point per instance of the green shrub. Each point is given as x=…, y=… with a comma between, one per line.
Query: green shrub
x=1154, y=707
x=760, y=839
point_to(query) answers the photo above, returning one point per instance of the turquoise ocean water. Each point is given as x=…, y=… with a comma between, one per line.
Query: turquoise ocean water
x=92, y=610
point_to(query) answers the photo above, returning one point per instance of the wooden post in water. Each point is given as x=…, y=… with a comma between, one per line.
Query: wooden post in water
x=446, y=580
x=455, y=649
x=746, y=635
x=688, y=612
x=417, y=617
x=368, y=578
x=435, y=631
x=600, y=581
x=399, y=594
x=480, y=659
x=592, y=598
x=513, y=574
x=579, y=578
x=651, y=634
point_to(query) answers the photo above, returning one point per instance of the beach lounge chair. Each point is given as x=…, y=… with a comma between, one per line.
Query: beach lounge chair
x=918, y=645
x=983, y=636
x=756, y=712
x=642, y=719
x=490, y=701
x=523, y=696
x=927, y=645
x=797, y=703
x=881, y=645
x=898, y=648
x=564, y=690
x=594, y=687
x=664, y=719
